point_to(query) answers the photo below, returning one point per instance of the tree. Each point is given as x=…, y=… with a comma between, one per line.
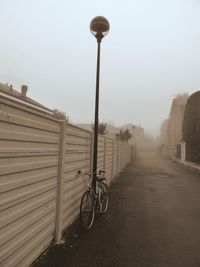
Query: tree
x=119, y=136
x=191, y=127
x=127, y=135
x=123, y=135
x=101, y=128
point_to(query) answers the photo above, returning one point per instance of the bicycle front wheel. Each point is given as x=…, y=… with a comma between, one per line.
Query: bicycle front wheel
x=103, y=198
x=87, y=210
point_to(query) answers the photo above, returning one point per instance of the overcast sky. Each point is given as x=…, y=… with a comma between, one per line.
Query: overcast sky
x=151, y=53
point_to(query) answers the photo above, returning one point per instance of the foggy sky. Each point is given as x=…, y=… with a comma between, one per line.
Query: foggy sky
x=151, y=53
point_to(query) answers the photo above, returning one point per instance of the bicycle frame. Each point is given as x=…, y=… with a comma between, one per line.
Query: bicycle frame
x=94, y=200
x=95, y=192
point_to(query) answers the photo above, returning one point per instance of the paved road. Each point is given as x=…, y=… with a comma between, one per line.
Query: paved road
x=153, y=220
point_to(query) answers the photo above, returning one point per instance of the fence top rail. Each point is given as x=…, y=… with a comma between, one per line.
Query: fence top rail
x=31, y=109
x=78, y=127
x=27, y=108
x=101, y=137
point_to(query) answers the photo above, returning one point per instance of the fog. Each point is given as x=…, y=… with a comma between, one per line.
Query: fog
x=151, y=53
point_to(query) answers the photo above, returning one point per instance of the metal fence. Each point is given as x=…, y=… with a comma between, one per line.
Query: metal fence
x=40, y=191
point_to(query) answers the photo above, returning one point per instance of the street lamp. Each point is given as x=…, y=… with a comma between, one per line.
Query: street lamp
x=99, y=27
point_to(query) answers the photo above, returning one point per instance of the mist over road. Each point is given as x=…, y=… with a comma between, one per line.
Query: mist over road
x=153, y=220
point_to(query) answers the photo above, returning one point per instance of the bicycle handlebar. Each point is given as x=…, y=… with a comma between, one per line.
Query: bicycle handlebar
x=84, y=173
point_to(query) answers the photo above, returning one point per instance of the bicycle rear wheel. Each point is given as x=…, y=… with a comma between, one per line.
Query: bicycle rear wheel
x=103, y=198
x=87, y=210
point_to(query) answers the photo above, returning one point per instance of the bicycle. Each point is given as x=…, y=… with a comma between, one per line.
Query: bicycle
x=93, y=202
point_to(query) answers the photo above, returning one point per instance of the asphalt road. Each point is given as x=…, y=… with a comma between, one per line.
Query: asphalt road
x=153, y=220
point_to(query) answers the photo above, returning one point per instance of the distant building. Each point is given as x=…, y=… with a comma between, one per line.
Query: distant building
x=175, y=121
x=164, y=139
x=164, y=133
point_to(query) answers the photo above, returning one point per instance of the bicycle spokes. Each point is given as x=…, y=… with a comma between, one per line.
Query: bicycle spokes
x=87, y=210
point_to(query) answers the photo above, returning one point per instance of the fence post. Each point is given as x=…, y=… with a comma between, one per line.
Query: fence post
x=117, y=157
x=121, y=156
x=123, y=152
x=105, y=148
x=112, y=168
x=91, y=151
x=60, y=183
x=125, y=155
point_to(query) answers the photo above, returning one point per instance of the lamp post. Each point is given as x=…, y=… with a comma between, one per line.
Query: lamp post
x=99, y=27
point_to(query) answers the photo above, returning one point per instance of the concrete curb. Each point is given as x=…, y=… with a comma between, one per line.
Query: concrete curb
x=189, y=165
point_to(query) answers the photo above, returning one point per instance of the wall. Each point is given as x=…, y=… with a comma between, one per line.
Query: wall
x=40, y=191
x=183, y=151
x=175, y=122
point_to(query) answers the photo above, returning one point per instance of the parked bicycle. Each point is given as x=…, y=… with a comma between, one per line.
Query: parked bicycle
x=93, y=201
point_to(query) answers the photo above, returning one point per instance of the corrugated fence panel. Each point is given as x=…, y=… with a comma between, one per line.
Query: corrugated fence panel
x=39, y=158
x=108, y=159
x=100, y=156
x=29, y=144
x=120, y=157
x=115, y=158
x=77, y=156
x=128, y=153
x=123, y=154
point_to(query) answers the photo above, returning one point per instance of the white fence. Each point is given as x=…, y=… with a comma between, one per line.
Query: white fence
x=39, y=189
